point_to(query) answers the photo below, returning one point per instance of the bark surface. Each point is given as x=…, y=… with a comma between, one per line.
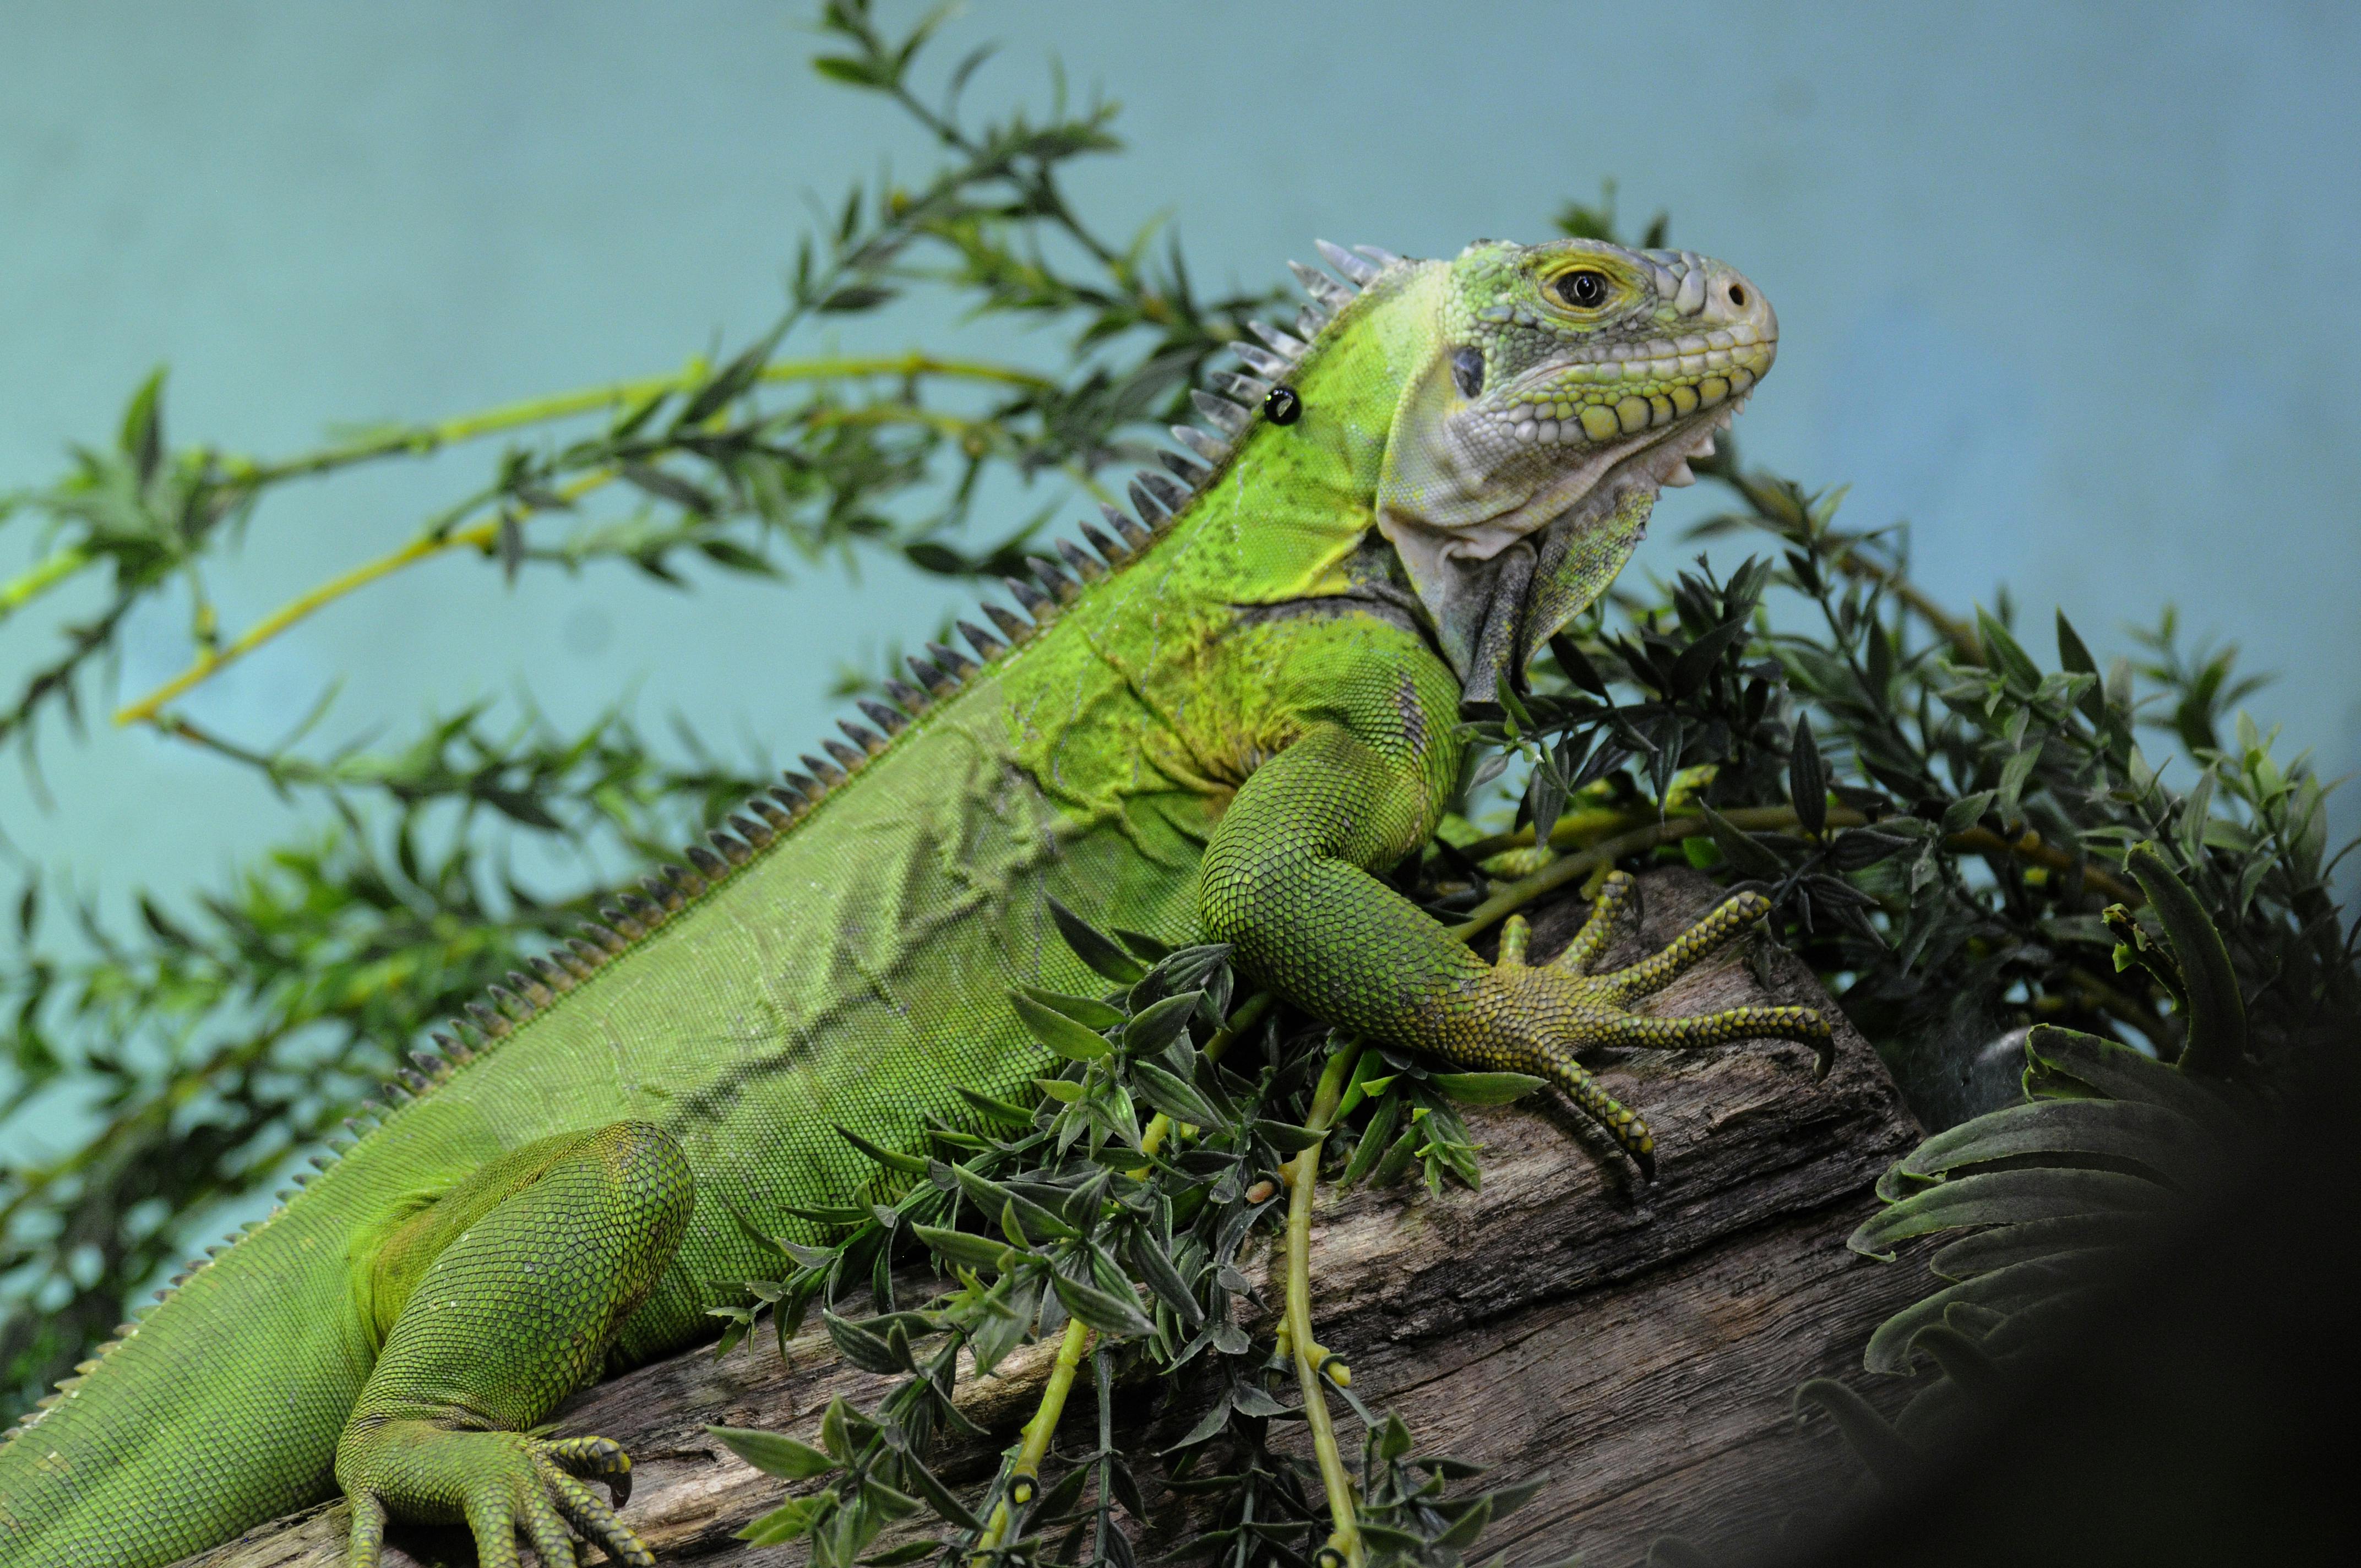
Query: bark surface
x=1637, y=1345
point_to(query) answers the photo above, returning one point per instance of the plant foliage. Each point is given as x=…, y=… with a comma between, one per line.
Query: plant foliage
x=1941, y=817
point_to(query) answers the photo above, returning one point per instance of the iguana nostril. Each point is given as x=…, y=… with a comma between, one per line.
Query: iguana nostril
x=1737, y=294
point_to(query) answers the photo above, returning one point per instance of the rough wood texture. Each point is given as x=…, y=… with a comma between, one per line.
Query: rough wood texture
x=1637, y=1345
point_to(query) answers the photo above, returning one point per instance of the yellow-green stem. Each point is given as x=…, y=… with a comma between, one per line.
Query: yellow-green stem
x=423, y=439
x=40, y=578
x=482, y=535
x=1302, y=1174
x=1038, y=1431
x=2027, y=846
x=1076, y=1341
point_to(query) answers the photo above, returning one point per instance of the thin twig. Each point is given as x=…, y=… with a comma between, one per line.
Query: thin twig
x=40, y=578
x=1302, y=1175
x=1647, y=834
x=427, y=546
x=422, y=440
x=1038, y=1433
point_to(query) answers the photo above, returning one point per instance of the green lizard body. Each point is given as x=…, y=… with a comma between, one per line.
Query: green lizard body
x=1222, y=736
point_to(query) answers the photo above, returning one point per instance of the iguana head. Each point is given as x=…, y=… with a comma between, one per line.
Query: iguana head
x=1546, y=393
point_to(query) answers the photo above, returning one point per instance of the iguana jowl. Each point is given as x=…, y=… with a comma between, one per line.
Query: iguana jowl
x=1221, y=733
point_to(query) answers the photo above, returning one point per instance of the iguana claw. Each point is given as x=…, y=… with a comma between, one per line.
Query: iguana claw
x=1563, y=1008
x=501, y=1485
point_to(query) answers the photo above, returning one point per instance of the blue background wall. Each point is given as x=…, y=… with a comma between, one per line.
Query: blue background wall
x=2068, y=288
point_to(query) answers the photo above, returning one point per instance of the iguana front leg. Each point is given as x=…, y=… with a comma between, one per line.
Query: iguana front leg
x=1288, y=883
x=505, y=1296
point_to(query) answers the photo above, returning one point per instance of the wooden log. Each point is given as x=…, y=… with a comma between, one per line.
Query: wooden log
x=1635, y=1344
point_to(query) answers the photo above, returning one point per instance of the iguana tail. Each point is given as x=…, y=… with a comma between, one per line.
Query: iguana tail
x=218, y=1410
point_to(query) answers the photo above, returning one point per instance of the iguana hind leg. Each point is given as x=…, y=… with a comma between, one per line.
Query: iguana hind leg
x=506, y=1295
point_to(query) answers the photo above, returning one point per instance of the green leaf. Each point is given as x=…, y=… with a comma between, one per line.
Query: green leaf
x=1746, y=854
x=992, y=1109
x=965, y=1247
x=1545, y=797
x=2007, y=1197
x=889, y=1502
x=1088, y=1011
x=2012, y=776
x=907, y=1164
x=2217, y=1012
x=1697, y=660
x=1967, y=811
x=828, y=1213
x=939, y=1498
x=1897, y=1466
x=1998, y=1248
x=1057, y=1031
x=2121, y=1073
x=732, y=380
x=2006, y=1290
x=142, y=438
x=775, y=1453
x=1110, y=1315
x=1463, y=1531
x=1064, y=1091
x=869, y=1351
x=1158, y=1025
x=995, y=1201
x=1807, y=780
x=2075, y=658
x=2009, y=657
x=1150, y=950
x=1096, y=947
x=1373, y=1139
x=1286, y=1137
x=1176, y=1098
x=855, y=72
x=1156, y=1272
x=1486, y=1087
x=791, y=1520
x=2165, y=1141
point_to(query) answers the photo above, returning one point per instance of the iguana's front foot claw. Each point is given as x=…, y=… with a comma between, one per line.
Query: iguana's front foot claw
x=1567, y=1009
x=501, y=1486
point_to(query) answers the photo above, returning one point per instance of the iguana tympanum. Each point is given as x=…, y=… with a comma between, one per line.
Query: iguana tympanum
x=1222, y=732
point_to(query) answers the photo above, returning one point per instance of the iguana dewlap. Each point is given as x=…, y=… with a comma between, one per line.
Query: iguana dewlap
x=1221, y=733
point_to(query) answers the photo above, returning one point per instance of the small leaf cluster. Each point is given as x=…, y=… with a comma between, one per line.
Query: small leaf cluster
x=1125, y=1200
x=1406, y=1518
x=1939, y=819
x=2049, y=1202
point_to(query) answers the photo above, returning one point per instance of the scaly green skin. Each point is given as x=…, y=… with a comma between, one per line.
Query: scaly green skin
x=1226, y=737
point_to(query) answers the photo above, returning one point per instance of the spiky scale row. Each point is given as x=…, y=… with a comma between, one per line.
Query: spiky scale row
x=630, y=917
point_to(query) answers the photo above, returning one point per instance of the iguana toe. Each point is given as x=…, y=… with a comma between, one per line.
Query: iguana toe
x=1551, y=1011
x=501, y=1485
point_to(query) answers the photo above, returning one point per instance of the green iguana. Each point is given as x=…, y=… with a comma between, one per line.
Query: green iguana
x=1222, y=731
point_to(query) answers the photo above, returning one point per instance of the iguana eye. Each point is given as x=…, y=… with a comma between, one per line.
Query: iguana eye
x=1585, y=290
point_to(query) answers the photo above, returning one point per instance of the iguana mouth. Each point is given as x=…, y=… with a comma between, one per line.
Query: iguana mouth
x=1623, y=390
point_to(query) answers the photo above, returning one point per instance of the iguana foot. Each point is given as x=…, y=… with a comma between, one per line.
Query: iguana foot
x=500, y=1485
x=1554, y=1010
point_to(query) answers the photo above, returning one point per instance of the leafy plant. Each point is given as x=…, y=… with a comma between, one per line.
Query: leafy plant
x=2054, y=1201
x=1941, y=821
x=1112, y=1219
x=1936, y=818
